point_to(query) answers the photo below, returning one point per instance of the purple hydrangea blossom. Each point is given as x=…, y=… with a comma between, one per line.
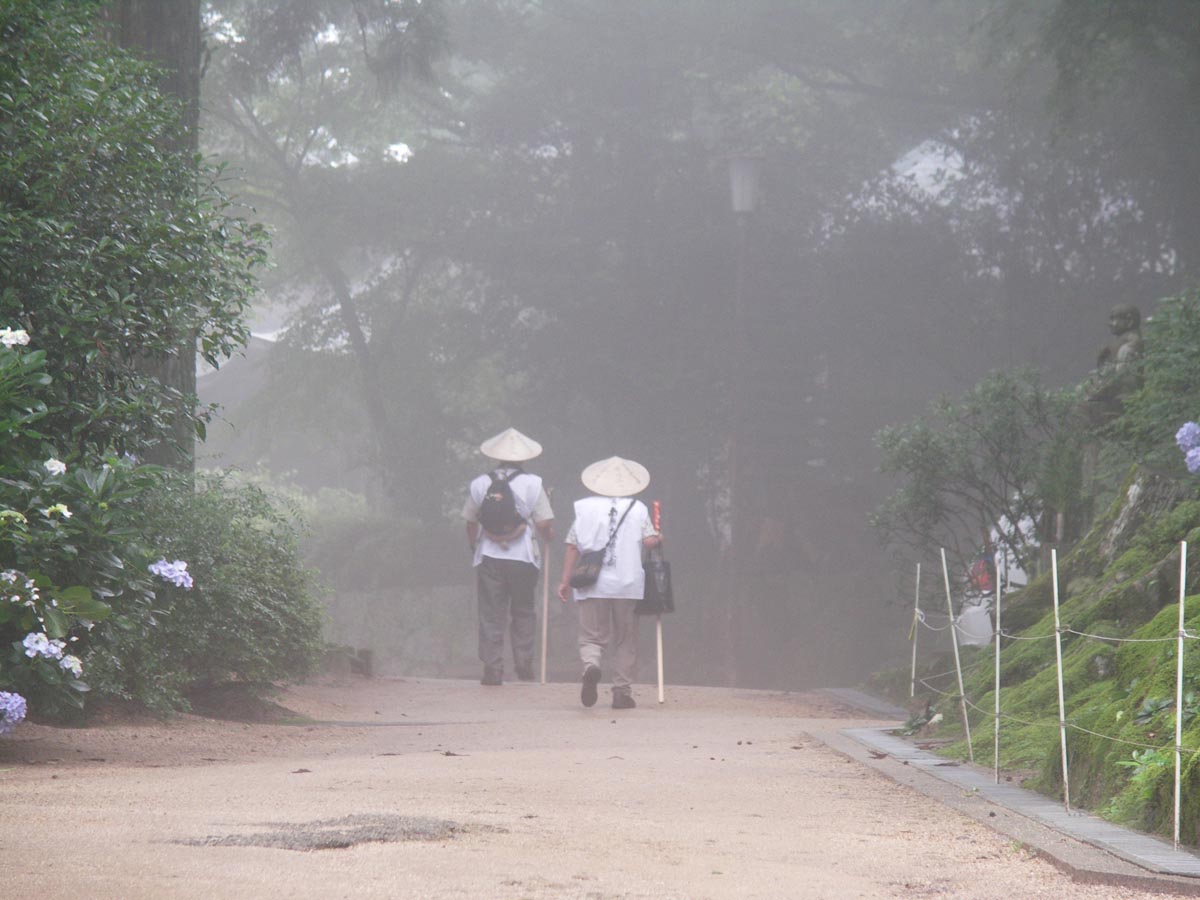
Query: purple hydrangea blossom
x=175, y=572
x=1193, y=460
x=12, y=711
x=1188, y=436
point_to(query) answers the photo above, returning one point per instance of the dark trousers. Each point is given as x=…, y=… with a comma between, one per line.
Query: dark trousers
x=506, y=589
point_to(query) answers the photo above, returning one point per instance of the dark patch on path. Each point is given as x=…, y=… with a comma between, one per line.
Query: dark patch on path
x=338, y=834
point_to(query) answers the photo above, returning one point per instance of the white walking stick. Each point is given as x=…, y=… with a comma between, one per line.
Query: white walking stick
x=658, y=633
x=657, y=513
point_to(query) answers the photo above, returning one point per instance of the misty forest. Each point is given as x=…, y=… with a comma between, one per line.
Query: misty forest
x=859, y=283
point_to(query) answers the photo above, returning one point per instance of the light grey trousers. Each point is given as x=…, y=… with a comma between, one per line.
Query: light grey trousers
x=609, y=623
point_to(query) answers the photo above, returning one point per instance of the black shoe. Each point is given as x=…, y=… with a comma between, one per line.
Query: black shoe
x=525, y=673
x=588, y=694
x=491, y=677
x=623, y=701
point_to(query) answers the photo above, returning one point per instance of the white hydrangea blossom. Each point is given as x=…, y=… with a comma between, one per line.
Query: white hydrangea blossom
x=10, y=337
x=38, y=643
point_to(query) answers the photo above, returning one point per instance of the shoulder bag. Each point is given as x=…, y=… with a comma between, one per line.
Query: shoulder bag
x=587, y=569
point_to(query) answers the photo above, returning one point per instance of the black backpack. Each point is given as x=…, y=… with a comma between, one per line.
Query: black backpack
x=498, y=514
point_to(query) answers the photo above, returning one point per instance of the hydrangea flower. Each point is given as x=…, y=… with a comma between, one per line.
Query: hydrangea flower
x=72, y=664
x=38, y=643
x=175, y=572
x=55, y=466
x=1192, y=460
x=1188, y=436
x=10, y=337
x=12, y=711
x=60, y=508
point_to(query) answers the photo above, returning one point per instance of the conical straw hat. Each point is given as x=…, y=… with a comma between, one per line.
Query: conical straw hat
x=511, y=446
x=615, y=477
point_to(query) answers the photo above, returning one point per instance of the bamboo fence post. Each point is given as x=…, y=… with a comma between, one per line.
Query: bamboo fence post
x=962, y=693
x=1179, y=685
x=996, y=687
x=1062, y=707
x=912, y=684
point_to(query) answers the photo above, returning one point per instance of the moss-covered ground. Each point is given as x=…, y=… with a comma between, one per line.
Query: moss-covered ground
x=1119, y=596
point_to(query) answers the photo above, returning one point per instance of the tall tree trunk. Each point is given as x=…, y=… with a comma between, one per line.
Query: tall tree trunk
x=168, y=33
x=382, y=433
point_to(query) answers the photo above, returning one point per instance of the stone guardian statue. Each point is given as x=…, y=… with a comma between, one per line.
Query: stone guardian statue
x=1117, y=370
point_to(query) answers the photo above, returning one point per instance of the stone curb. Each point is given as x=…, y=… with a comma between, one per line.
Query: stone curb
x=1088, y=849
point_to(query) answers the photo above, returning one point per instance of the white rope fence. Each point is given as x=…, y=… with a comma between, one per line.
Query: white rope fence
x=921, y=619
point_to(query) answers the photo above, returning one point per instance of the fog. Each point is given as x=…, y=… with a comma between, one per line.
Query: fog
x=491, y=213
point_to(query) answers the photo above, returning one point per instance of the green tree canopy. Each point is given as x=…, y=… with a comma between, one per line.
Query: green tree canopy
x=977, y=466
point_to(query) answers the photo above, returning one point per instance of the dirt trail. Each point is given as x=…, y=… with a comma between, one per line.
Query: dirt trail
x=446, y=789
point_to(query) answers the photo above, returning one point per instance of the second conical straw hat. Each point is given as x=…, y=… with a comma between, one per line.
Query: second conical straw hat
x=615, y=477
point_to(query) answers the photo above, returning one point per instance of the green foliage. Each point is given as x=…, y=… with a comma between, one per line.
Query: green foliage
x=113, y=248
x=1171, y=384
x=87, y=542
x=23, y=380
x=1003, y=452
x=252, y=615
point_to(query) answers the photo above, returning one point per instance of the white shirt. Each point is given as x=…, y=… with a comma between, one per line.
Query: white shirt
x=622, y=574
x=532, y=505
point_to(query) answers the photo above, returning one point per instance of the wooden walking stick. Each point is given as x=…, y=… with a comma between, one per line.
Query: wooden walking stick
x=545, y=603
x=545, y=596
x=658, y=640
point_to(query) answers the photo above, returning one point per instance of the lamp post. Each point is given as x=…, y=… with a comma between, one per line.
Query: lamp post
x=743, y=195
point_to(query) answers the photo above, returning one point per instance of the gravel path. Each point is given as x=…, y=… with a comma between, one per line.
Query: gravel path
x=446, y=789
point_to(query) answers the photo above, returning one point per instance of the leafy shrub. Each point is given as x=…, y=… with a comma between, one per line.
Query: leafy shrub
x=1006, y=451
x=252, y=614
